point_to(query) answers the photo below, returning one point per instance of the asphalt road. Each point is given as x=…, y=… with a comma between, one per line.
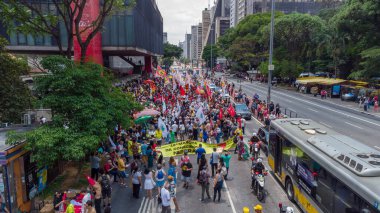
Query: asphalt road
x=340, y=118
x=236, y=196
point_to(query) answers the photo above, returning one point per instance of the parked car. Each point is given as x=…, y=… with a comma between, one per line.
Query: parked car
x=242, y=109
x=348, y=97
x=263, y=134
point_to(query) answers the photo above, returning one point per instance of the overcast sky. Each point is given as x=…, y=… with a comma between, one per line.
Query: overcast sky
x=179, y=15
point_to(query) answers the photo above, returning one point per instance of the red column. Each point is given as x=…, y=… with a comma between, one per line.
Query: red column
x=148, y=64
x=94, y=50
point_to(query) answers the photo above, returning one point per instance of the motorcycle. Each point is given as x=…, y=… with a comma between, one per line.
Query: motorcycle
x=255, y=150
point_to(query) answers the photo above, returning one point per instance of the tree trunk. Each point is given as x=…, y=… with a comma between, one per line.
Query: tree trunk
x=80, y=169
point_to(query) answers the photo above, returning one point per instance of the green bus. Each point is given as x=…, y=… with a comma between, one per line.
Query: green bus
x=322, y=170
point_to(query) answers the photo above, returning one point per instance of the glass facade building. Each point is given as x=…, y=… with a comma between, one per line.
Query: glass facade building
x=140, y=28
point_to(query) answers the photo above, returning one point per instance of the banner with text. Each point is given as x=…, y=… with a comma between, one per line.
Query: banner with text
x=175, y=149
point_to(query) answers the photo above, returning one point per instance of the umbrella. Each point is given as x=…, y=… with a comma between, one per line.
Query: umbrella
x=148, y=82
x=146, y=111
x=143, y=119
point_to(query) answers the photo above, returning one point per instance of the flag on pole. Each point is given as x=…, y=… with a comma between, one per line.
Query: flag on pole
x=163, y=128
x=181, y=90
x=231, y=111
x=200, y=115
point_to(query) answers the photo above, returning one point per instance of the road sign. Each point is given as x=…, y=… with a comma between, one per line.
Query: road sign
x=271, y=67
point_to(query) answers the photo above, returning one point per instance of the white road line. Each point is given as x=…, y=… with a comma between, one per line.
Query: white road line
x=324, y=107
x=147, y=204
x=312, y=110
x=229, y=198
x=141, y=205
x=377, y=147
x=353, y=125
x=325, y=124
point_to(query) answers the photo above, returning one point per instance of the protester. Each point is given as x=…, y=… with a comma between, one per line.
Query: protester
x=226, y=160
x=136, y=182
x=95, y=160
x=105, y=183
x=218, y=184
x=149, y=183
x=165, y=196
x=214, y=161
x=204, y=181
x=199, y=151
x=187, y=167
x=160, y=177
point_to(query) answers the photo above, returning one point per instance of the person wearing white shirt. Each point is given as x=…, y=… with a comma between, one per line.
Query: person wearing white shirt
x=165, y=196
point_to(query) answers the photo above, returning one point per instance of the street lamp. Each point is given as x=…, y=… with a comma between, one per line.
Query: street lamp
x=271, y=66
x=211, y=48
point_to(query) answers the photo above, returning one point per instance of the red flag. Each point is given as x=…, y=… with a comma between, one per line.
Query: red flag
x=181, y=90
x=231, y=111
x=208, y=91
x=221, y=113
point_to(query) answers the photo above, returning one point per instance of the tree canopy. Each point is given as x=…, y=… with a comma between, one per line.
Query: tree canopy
x=15, y=96
x=171, y=51
x=85, y=107
x=343, y=40
x=206, y=55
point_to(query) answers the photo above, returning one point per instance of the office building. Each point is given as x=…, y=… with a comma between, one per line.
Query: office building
x=233, y=12
x=290, y=6
x=187, y=46
x=165, y=37
x=206, y=21
x=199, y=42
x=241, y=10
x=222, y=24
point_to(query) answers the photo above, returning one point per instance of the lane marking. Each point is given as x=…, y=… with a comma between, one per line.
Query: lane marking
x=141, y=205
x=229, y=198
x=377, y=147
x=312, y=110
x=353, y=125
x=323, y=107
x=325, y=124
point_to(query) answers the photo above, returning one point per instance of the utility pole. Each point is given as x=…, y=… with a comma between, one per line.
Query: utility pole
x=271, y=66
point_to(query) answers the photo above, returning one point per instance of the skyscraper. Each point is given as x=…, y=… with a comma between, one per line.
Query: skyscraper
x=241, y=8
x=199, y=42
x=165, y=37
x=206, y=21
x=233, y=12
x=187, y=46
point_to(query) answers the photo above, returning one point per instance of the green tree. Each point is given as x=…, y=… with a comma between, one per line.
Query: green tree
x=171, y=51
x=15, y=96
x=85, y=108
x=38, y=20
x=357, y=22
x=206, y=54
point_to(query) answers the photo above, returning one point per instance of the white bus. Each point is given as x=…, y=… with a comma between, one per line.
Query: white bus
x=322, y=170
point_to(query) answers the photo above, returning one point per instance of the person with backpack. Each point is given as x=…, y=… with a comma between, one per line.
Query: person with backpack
x=160, y=177
x=204, y=180
x=105, y=183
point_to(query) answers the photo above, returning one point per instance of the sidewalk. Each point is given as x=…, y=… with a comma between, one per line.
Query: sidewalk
x=336, y=101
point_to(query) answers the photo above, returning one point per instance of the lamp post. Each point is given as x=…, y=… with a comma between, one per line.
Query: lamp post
x=271, y=66
x=211, y=50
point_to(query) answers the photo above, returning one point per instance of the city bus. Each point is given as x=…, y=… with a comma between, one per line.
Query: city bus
x=322, y=170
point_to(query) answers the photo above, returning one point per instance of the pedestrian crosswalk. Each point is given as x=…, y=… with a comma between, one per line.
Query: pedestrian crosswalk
x=151, y=206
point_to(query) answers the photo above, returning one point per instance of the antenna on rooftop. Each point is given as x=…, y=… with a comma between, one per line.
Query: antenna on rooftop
x=208, y=4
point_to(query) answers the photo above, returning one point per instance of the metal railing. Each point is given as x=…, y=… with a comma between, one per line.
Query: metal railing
x=290, y=113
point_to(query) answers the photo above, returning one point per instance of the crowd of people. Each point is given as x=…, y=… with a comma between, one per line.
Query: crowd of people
x=187, y=109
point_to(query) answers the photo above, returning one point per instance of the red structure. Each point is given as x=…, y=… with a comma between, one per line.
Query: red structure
x=94, y=50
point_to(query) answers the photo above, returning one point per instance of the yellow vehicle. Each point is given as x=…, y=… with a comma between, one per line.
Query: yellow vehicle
x=322, y=170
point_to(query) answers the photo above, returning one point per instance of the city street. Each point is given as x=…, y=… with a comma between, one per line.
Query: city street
x=340, y=118
x=236, y=196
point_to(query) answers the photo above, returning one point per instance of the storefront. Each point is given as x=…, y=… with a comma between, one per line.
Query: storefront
x=20, y=179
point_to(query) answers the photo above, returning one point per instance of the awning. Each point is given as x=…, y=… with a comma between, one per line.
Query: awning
x=331, y=81
x=309, y=80
x=361, y=83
